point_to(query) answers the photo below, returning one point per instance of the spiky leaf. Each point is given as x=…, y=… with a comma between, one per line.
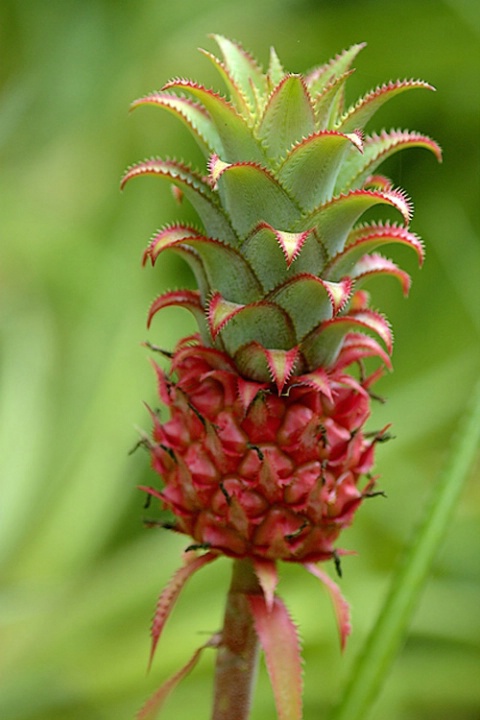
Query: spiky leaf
x=279, y=640
x=356, y=347
x=193, y=114
x=377, y=148
x=334, y=221
x=363, y=240
x=266, y=571
x=375, y=264
x=197, y=191
x=156, y=702
x=243, y=68
x=342, y=610
x=318, y=380
x=287, y=118
x=237, y=96
x=275, y=72
x=167, y=599
x=277, y=255
x=262, y=322
x=321, y=347
x=318, y=78
x=328, y=102
x=309, y=300
x=267, y=364
x=236, y=137
x=252, y=195
x=188, y=299
x=359, y=114
x=310, y=170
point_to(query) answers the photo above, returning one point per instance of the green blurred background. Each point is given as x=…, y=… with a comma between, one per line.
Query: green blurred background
x=79, y=572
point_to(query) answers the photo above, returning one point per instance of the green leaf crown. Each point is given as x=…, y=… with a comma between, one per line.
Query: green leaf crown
x=282, y=257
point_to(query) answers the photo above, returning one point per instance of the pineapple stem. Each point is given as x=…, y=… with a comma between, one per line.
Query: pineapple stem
x=237, y=657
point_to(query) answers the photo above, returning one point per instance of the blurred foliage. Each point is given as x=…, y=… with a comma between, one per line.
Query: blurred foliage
x=79, y=572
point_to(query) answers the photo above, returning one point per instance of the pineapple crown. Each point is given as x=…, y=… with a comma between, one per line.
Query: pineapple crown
x=282, y=258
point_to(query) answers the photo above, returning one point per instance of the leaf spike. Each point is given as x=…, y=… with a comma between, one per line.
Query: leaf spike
x=305, y=290
x=251, y=194
x=320, y=76
x=220, y=312
x=281, y=364
x=366, y=238
x=166, y=601
x=317, y=380
x=359, y=114
x=248, y=390
x=323, y=345
x=155, y=702
x=192, y=113
x=310, y=170
x=399, y=199
x=267, y=574
x=215, y=169
x=356, y=347
x=377, y=182
x=329, y=100
x=166, y=237
x=159, y=166
x=357, y=138
x=259, y=100
x=242, y=66
x=279, y=640
x=388, y=231
x=364, y=319
x=275, y=70
x=256, y=360
x=379, y=147
x=339, y=293
x=232, y=128
x=287, y=118
x=404, y=138
x=237, y=95
x=189, y=299
x=377, y=322
x=340, y=605
x=334, y=220
x=376, y=264
x=246, y=72
x=196, y=189
x=290, y=243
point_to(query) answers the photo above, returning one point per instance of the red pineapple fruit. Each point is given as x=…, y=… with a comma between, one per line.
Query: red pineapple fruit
x=265, y=456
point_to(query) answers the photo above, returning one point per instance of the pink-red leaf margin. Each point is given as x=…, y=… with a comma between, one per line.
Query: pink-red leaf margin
x=340, y=605
x=154, y=704
x=279, y=640
x=169, y=595
x=267, y=574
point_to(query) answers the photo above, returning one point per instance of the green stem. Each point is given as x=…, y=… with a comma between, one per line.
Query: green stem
x=238, y=651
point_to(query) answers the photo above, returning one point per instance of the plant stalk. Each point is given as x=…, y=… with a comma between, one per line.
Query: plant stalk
x=237, y=657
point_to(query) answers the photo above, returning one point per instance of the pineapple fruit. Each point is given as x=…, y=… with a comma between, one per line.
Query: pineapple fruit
x=264, y=456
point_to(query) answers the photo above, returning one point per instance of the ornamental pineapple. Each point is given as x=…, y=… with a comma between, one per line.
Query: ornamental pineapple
x=265, y=455
x=264, y=451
